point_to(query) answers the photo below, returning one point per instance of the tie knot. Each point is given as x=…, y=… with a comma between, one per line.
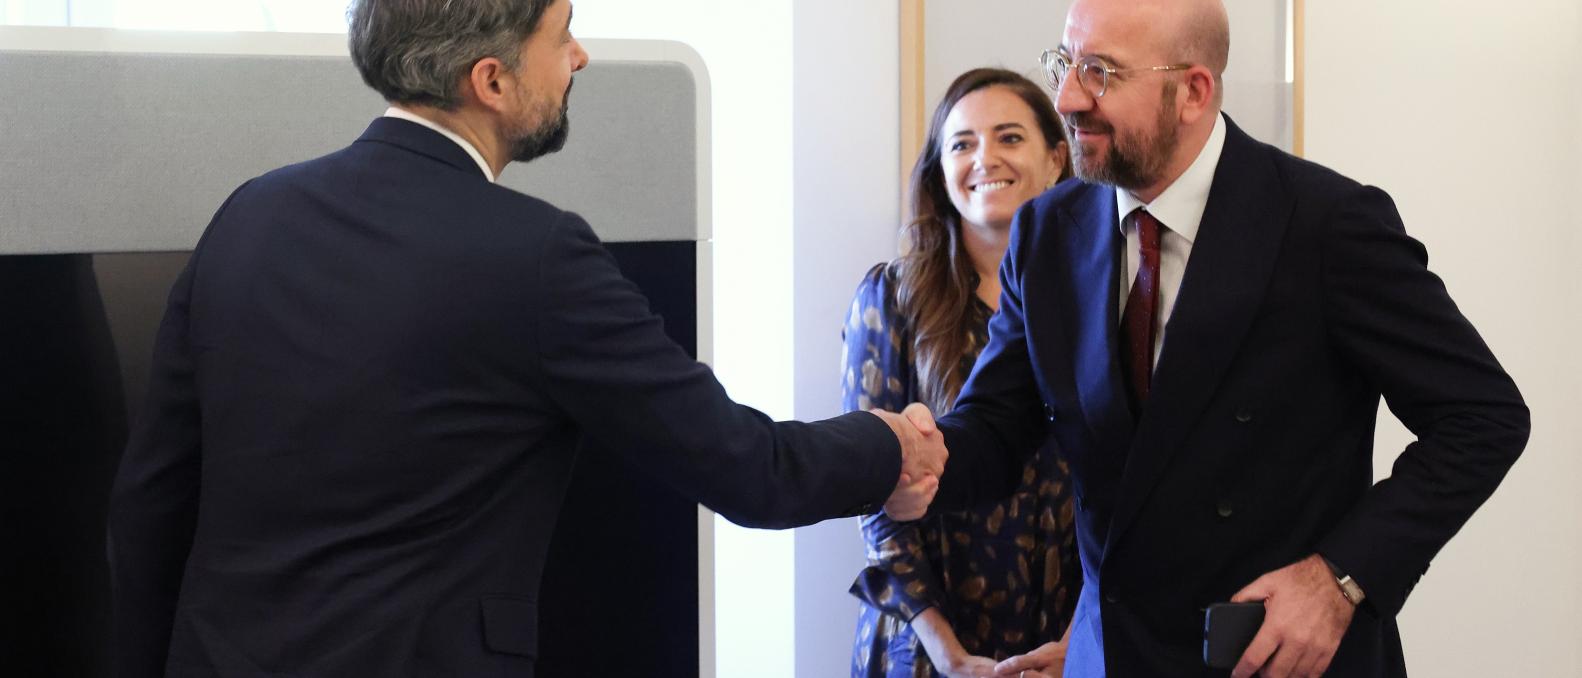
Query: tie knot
x=1148, y=228
x=1143, y=216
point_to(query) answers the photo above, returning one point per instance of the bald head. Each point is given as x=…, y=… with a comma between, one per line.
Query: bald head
x=1166, y=31
x=1203, y=34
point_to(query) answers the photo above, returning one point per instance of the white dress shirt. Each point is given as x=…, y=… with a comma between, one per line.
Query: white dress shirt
x=396, y=112
x=1180, y=210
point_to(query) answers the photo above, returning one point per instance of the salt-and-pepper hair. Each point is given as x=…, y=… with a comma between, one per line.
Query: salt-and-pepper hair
x=418, y=51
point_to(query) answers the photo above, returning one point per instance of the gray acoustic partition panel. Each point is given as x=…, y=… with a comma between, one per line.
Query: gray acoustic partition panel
x=127, y=141
x=115, y=149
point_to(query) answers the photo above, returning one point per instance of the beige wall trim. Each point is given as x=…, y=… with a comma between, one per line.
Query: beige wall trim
x=1298, y=75
x=913, y=122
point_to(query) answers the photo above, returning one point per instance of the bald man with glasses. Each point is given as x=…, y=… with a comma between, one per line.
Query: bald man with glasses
x=1206, y=325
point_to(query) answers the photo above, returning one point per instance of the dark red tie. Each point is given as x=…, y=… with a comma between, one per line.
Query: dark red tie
x=1140, y=321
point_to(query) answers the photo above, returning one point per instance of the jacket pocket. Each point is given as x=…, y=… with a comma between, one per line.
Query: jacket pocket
x=510, y=625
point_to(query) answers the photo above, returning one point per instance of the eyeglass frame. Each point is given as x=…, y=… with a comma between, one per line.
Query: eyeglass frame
x=1051, y=57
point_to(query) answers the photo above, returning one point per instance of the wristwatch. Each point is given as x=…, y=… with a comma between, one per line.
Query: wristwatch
x=1348, y=586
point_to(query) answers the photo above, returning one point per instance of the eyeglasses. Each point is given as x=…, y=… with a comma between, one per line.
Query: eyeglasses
x=1092, y=73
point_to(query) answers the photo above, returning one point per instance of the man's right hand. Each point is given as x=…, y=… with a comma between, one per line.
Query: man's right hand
x=923, y=457
x=910, y=501
x=1047, y=660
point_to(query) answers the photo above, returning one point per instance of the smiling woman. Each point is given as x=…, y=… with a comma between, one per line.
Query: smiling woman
x=954, y=593
x=993, y=156
x=993, y=144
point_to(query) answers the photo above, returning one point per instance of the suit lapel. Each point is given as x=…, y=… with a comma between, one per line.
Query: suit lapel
x=1225, y=281
x=1093, y=243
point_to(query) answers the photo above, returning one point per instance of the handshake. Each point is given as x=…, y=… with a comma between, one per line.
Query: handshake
x=922, y=461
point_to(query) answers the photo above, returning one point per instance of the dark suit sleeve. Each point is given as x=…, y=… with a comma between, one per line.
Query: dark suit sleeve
x=1393, y=318
x=154, y=501
x=607, y=363
x=998, y=419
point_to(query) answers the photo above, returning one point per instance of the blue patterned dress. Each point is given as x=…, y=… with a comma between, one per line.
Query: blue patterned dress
x=1005, y=575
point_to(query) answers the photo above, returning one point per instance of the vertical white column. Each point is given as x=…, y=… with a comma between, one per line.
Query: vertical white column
x=846, y=128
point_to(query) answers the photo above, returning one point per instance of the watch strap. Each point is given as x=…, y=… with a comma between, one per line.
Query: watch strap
x=1349, y=588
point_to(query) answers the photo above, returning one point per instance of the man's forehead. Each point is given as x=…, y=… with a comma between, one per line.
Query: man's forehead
x=1081, y=45
x=1113, y=28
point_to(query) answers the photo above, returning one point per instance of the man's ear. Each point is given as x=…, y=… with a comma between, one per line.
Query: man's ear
x=483, y=83
x=1196, y=96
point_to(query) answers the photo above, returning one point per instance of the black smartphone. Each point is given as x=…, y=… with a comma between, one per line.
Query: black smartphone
x=1228, y=628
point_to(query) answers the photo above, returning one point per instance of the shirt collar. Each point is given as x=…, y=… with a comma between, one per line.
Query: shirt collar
x=1180, y=207
x=398, y=112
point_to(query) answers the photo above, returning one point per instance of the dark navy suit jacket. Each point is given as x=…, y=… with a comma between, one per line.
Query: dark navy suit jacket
x=1303, y=302
x=366, y=396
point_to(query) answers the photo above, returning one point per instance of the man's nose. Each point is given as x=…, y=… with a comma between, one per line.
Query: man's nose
x=580, y=58
x=1071, y=96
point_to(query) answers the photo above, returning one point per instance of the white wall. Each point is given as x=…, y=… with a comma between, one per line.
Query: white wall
x=845, y=113
x=958, y=36
x=33, y=12
x=1469, y=116
x=299, y=16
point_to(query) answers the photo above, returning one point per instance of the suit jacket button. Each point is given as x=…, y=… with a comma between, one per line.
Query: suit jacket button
x=1049, y=412
x=1111, y=598
x=1225, y=510
x=1243, y=417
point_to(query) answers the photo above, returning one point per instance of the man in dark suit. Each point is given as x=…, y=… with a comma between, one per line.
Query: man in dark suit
x=373, y=373
x=1206, y=325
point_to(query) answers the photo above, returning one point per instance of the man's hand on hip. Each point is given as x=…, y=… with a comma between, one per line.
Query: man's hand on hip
x=1305, y=616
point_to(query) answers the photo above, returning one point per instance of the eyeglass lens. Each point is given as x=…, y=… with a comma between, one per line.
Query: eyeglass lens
x=1091, y=74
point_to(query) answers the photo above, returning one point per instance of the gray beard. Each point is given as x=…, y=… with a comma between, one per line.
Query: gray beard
x=1134, y=161
x=550, y=137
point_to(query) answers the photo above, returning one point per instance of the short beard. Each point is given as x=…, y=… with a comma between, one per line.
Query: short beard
x=1135, y=161
x=531, y=144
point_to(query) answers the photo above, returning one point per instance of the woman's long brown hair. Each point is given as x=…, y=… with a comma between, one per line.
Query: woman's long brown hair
x=936, y=281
